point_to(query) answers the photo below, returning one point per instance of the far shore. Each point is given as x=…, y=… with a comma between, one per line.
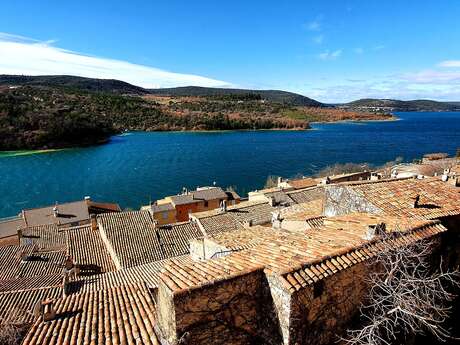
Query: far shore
x=25, y=152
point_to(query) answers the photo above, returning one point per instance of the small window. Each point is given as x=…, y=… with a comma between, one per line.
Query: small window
x=206, y=204
x=164, y=214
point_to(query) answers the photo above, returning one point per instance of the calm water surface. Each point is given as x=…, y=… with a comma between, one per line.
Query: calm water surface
x=134, y=168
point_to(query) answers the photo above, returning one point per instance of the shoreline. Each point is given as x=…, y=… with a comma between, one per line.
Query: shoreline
x=25, y=152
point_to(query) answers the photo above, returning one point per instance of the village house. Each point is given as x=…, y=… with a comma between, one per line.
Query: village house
x=177, y=208
x=62, y=215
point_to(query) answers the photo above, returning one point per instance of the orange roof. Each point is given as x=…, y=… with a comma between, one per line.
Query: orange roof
x=396, y=197
x=280, y=251
x=303, y=183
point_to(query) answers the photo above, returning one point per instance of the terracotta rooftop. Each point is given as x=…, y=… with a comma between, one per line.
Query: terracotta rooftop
x=216, y=221
x=396, y=197
x=281, y=251
x=307, y=195
x=303, y=183
x=29, y=261
x=147, y=273
x=87, y=249
x=44, y=236
x=121, y=315
x=132, y=239
x=17, y=307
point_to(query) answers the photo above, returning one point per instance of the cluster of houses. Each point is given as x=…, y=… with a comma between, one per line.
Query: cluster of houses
x=286, y=265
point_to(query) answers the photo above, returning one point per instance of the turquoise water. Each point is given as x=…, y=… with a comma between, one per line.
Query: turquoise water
x=132, y=169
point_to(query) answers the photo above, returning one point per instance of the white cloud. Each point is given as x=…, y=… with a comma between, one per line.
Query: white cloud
x=22, y=55
x=327, y=55
x=449, y=63
x=432, y=77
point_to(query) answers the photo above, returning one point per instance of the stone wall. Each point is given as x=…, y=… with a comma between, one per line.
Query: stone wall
x=340, y=200
x=321, y=312
x=238, y=310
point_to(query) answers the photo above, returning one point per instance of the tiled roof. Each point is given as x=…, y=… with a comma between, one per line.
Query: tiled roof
x=280, y=197
x=215, y=221
x=17, y=307
x=183, y=199
x=175, y=238
x=31, y=283
x=133, y=239
x=44, y=236
x=303, y=211
x=219, y=223
x=162, y=207
x=209, y=194
x=308, y=274
x=36, y=262
x=303, y=183
x=87, y=249
x=307, y=195
x=121, y=315
x=396, y=197
x=315, y=222
x=147, y=273
x=281, y=251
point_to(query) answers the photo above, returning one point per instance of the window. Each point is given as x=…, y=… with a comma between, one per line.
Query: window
x=318, y=288
x=206, y=203
x=164, y=214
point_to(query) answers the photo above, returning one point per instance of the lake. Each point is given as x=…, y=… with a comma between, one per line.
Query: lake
x=134, y=168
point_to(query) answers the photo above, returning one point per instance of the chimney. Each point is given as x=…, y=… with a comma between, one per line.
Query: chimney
x=416, y=201
x=374, y=230
x=276, y=220
x=247, y=223
x=87, y=198
x=48, y=310
x=93, y=221
x=280, y=179
x=55, y=211
x=223, y=206
x=444, y=177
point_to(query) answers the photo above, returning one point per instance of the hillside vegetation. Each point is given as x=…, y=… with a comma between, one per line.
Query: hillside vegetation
x=55, y=112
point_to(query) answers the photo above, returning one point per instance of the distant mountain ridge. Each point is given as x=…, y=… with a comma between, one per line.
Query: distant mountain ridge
x=270, y=95
x=397, y=105
x=69, y=81
x=121, y=87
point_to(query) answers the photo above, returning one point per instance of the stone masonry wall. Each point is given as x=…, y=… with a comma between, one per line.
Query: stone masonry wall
x=320, y=313
x=235, y=311
x=340, y=200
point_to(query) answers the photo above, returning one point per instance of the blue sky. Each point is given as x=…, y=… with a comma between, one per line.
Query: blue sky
x=333, y=51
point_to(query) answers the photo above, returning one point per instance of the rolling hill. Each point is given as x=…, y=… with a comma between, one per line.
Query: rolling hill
x=397, y=105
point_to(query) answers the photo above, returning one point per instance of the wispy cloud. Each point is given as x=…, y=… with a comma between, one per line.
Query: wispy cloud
x=378, y=47
x=327, y=55
x=316, y=24
x=23, y=55
x=318, y=39
x=359, y=50
x=449, y=63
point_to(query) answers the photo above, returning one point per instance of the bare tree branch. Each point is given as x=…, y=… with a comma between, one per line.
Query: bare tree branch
x=408, y=296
